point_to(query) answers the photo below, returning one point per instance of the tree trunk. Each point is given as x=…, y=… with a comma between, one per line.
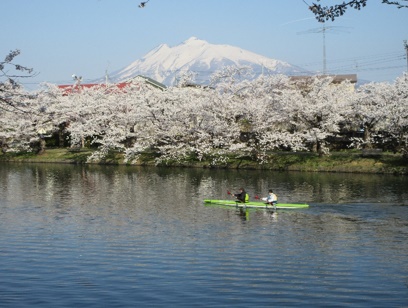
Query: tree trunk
x=61, y=140
x=41, y=149
x=367, y=137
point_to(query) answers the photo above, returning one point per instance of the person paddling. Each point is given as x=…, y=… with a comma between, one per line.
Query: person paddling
x=242, y=196
x=271, y=199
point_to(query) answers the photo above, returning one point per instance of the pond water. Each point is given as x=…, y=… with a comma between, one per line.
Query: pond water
x=116, y=236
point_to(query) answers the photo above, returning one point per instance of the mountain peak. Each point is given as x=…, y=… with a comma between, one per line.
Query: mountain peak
x=165, y=64
x=194, y=40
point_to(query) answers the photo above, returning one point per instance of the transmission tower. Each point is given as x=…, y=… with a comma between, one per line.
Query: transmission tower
x=323, y=31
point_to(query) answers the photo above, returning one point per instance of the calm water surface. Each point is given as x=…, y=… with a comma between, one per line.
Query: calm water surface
x=100, y=236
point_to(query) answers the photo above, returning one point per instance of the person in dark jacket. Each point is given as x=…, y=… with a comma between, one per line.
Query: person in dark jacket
x=242, y=196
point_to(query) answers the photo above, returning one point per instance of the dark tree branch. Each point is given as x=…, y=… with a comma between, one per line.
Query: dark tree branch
x=10, y=96
x=143, y=4
x=325, y=13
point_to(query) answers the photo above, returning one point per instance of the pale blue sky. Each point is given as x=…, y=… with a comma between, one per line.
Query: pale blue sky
x=61, y=37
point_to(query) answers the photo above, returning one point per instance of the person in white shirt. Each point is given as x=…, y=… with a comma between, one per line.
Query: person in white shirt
x=271, y=199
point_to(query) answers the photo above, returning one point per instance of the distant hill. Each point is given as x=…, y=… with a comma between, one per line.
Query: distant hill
x=165, y=64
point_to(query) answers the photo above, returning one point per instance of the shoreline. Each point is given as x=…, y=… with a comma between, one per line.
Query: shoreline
x=347, y=162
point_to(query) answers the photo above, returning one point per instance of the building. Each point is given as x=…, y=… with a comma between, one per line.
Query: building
x=305, y=81
x=78, y=86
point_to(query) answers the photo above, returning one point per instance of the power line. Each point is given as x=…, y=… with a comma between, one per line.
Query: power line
x=363, y=63
x=368, y=63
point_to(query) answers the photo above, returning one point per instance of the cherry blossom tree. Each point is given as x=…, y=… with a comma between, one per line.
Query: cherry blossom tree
x=317, y=109
x=370, y=110
x=22, y=124
x=13, y=100
x=187, y=122
x=101, y=116
x=236, y=117
x=261, y=111
x=397, y=116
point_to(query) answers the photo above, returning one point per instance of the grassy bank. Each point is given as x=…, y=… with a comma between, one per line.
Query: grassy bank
x=349, y=161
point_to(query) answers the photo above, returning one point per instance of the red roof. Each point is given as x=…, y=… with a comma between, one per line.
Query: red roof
x=76, y=88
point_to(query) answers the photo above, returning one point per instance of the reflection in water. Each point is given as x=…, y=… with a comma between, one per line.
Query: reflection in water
x=128, y=236
x=87, y=184
x=245, y=213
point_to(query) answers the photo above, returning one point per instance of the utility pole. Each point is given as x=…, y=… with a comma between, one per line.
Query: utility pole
x=324, y=49
x=106, y=77
x=106, y=74
x=406, y=50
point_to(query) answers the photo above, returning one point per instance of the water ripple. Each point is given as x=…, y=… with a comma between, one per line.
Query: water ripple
x=89, y=242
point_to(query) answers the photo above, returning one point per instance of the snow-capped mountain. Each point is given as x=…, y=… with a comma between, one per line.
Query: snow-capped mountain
x=165, y=64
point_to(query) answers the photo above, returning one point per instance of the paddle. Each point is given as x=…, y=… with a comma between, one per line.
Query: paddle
x=267, y=203
x=229, y=193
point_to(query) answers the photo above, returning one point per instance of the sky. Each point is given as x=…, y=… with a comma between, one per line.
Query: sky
x=59, y=38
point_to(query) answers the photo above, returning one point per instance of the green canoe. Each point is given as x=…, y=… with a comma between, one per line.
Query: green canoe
x=257, y=204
